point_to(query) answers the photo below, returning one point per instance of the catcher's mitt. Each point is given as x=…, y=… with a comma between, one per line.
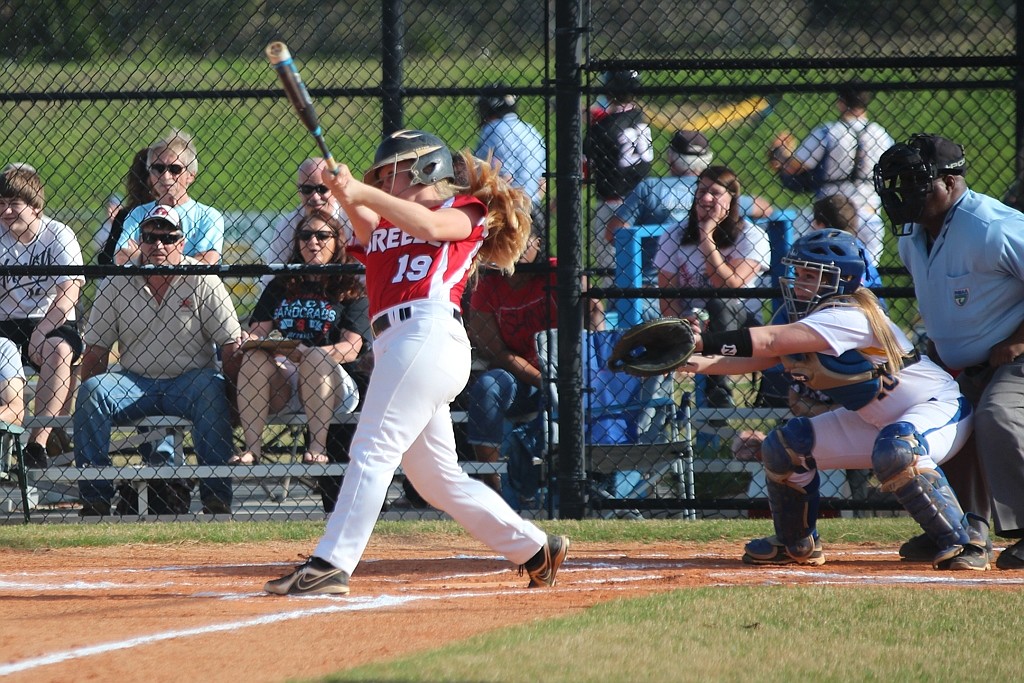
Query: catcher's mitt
x=653, y=348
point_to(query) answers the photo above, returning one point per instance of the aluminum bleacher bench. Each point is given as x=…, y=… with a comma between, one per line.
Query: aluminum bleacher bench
x=139, y=475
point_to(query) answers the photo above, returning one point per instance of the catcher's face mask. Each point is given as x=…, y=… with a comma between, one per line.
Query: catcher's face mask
x=903, y=182
x=807, y=285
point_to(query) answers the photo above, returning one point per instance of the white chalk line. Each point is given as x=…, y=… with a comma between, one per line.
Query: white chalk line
x=349, y=604
x=771, y=576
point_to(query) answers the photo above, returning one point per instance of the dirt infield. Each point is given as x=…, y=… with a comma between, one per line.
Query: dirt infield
x=197, y=612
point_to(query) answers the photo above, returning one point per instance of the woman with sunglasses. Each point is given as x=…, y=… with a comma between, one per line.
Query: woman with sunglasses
x=328, y=315
x=421, y=237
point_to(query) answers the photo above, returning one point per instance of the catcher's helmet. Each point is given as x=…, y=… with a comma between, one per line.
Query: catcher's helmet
x=496, y=103
x=840, y=261
x=432, y=160
x=905, y=172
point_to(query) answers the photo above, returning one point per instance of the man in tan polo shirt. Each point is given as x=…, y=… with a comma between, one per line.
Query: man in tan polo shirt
x=167, y=328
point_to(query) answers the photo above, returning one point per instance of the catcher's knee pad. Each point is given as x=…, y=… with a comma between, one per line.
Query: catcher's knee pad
x=896, y=451
x=787, y=450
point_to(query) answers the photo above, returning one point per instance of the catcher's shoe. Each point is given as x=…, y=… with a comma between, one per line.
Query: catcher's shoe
x=312, y=577
x=771, y=551
x=542, y=567
x=977, y=552
x=971, y=558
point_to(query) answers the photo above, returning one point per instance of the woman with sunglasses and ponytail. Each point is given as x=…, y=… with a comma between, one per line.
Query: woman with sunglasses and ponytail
x=328, y=315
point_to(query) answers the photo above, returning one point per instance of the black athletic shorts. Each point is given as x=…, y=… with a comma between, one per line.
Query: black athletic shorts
x=20, y=332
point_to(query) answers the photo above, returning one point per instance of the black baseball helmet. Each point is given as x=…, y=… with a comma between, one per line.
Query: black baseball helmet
x=496, y=103
x=432, y=160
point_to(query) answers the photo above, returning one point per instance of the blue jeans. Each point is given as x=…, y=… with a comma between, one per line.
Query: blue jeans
x=113, y=398
x=495, y=396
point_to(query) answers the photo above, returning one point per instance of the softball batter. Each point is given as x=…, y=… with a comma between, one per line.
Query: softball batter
x=900, y=414
x=420, y=237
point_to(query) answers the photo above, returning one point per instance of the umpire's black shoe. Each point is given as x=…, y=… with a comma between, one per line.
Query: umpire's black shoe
x=1012, y=557
x=313, y=577
x=919, y=549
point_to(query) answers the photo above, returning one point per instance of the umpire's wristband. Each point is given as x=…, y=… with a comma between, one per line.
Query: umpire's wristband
x=728, y=343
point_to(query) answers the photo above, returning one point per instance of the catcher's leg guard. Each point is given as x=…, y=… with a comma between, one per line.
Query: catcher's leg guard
x=925, y=494
x=787, y=452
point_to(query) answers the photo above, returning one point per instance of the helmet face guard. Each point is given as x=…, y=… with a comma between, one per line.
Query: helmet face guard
x=802, y=293
x=820, y=265
x=903, y=182
x=432, y=161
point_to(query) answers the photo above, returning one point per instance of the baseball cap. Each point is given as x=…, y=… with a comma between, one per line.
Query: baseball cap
x=945, y=155
x=162, y=212
x=689, y=142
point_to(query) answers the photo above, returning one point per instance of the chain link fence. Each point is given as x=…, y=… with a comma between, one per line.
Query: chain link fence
x=108, y=114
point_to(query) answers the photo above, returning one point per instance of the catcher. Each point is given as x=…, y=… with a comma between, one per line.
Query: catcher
x=900, y=414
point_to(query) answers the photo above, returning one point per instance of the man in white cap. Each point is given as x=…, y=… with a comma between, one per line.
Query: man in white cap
x=168, y=328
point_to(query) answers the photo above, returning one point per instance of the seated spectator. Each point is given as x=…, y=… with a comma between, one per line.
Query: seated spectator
x=173, y=164
x=137, y=192
x=716, y=247
x=837, y=211
x=313, y=196
x=167, y=329
x=37, y=312
x=12, y=383
x=506, y=313
x=669, y=198
x=329, y=315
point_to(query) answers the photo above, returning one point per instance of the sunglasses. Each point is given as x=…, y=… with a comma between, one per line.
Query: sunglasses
x=310, y=189
x=163, y=238
x=160, y=169
x=322, y=235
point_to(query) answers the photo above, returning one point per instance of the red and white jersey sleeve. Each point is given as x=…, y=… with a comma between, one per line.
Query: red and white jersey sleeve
x=401, y=268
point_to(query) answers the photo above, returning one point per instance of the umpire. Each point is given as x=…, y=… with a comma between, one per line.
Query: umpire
x=964, y=250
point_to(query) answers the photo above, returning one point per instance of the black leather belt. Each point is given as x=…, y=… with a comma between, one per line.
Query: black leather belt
x=383, y=322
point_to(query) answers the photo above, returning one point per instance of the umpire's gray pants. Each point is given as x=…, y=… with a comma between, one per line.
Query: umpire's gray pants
x=988, y=473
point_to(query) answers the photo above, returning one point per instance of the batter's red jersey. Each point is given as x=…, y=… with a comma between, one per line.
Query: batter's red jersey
x=401, y=268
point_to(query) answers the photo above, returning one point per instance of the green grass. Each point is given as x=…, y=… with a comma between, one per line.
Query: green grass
x=770, y=633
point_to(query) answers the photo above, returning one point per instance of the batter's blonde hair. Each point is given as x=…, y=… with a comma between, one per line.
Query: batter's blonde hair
x=508, y=219
x=864, y=299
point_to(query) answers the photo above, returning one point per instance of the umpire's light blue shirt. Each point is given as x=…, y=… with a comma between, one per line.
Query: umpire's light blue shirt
x=520, y=149
x=970, y=287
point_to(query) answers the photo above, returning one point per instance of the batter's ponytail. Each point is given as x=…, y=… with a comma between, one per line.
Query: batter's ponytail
x=508, y=212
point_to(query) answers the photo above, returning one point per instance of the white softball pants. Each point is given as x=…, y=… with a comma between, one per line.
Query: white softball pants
x=421, y=365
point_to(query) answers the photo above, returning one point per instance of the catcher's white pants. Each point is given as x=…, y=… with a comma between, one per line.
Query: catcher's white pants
x=421, y=365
